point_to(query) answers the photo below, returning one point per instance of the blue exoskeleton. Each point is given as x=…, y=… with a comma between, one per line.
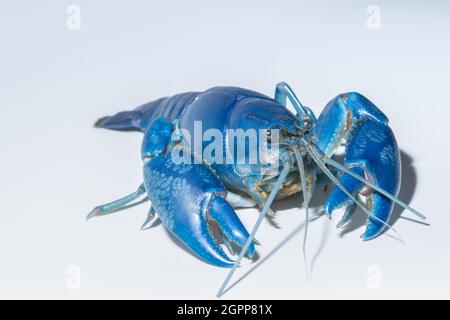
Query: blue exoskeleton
x=196, y=200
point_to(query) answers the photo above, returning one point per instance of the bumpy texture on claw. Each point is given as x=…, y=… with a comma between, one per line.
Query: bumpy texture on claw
x=190, y=202
x=370, y=151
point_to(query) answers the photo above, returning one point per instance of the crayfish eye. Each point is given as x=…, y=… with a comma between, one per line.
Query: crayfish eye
x=306, y=123
x=269, y=135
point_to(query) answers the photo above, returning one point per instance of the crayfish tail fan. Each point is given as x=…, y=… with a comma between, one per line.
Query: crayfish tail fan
x=122, y=121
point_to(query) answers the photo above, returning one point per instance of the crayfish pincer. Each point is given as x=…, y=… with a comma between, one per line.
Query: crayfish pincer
x=207, y=153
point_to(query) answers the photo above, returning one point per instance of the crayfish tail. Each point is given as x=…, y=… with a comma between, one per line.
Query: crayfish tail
x=122, y=121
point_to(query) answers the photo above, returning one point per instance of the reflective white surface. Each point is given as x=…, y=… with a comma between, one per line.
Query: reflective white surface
x=55, y=167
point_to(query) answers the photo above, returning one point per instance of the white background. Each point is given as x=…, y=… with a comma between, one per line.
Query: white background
x=54, y=167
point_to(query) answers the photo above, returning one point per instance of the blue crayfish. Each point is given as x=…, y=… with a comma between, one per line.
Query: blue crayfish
x=195, y=196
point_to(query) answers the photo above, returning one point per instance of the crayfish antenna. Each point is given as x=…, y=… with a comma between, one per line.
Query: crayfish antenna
x=262, y=214
x=312, y=152
x=341, y=167
x=301, y=167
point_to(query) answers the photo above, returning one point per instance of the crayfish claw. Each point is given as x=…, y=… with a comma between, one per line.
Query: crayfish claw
x=371, y=152
x=381, y=208
x=339, y=198
x=349, y=211
x=233, y=231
